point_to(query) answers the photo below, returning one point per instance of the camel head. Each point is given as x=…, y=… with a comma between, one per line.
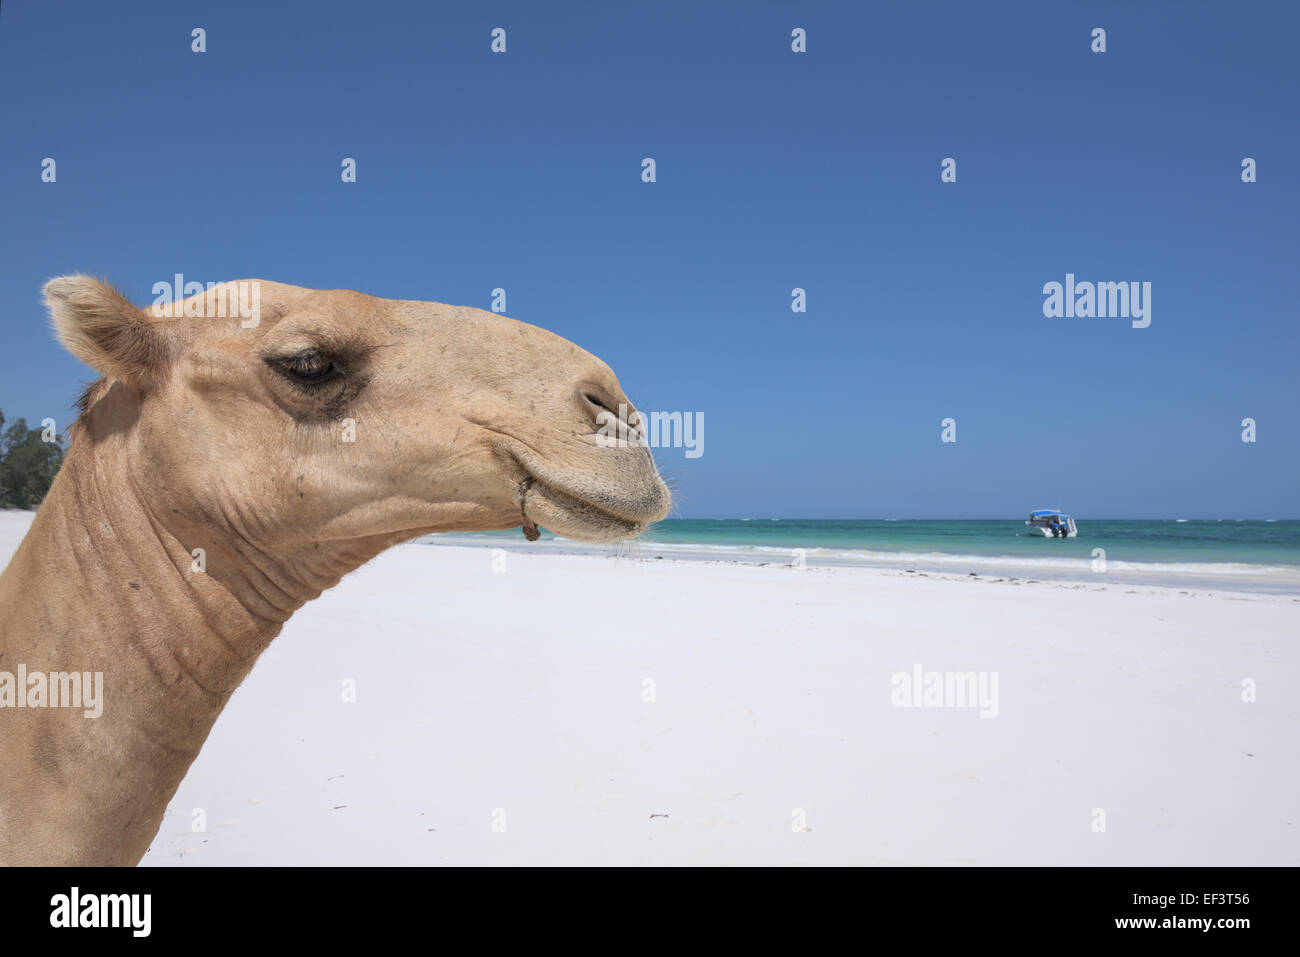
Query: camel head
x=333, y=416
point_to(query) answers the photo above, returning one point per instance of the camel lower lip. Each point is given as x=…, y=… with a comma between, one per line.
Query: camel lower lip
x=569, y=516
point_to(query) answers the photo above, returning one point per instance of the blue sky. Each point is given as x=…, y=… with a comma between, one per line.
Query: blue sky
x=775, y=170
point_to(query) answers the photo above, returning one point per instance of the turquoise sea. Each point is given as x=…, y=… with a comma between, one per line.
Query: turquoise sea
x=1228, y=553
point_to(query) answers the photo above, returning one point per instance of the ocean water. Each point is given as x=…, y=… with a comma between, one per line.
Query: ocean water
x=1229, y=554
x=1161, y=542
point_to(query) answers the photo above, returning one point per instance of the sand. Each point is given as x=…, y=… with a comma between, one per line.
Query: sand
x=569, y=709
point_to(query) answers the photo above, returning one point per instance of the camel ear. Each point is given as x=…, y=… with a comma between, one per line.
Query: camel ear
x=98, y=326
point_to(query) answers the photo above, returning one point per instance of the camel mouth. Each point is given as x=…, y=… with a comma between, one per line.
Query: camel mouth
x=588, y=495
x=569, y=516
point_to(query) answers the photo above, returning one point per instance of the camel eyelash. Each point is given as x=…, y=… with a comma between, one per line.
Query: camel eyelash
x=309, y=368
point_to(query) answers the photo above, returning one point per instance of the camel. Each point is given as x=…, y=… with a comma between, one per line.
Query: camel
x=223, y=473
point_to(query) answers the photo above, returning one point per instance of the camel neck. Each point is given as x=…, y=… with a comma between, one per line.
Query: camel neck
x=116, y=583
x=171, y=600
x=100, y=587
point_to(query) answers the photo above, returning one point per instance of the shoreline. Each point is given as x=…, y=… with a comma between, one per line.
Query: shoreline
x=1245, y=581
x=1238, y=581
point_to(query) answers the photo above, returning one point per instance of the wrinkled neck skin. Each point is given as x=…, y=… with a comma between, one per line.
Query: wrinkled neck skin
x=106, y=581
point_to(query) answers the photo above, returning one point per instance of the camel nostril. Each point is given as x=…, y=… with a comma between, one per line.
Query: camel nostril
x=606, y=408
x=600, y=404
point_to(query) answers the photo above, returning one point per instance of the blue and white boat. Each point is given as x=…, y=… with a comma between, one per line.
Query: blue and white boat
x=1051, y=523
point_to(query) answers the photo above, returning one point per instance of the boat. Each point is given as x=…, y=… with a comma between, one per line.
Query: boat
x=1051, y=523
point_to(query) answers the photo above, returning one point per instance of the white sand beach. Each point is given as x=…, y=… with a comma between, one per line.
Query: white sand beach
x=501, y=717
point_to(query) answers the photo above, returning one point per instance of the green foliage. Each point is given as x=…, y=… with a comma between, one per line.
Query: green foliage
x=28, y=464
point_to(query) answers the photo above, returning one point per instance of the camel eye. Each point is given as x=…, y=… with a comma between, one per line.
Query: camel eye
x=307, y=368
